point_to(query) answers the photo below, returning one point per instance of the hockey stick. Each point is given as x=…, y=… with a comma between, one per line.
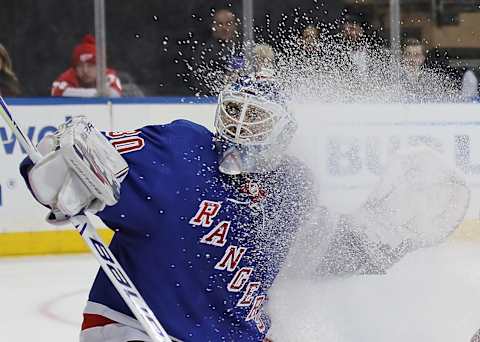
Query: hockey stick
x=102, y=253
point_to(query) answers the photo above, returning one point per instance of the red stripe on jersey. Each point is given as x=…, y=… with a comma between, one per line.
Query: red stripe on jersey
x=93, y=320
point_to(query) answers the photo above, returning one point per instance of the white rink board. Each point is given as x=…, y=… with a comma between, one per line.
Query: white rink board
x=348, y=145
x=344, y=144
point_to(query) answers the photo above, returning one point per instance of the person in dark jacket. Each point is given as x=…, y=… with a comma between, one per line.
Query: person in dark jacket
x=221, y=55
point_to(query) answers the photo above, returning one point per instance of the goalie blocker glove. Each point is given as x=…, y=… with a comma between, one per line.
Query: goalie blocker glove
x=80, y=170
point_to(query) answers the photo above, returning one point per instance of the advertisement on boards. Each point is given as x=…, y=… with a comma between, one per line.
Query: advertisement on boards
x=345, y=146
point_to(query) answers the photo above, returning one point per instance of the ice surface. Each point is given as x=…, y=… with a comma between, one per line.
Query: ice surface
x=431, y=295
x=43, y=297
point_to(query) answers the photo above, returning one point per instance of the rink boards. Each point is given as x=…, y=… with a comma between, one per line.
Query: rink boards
x=346, y=146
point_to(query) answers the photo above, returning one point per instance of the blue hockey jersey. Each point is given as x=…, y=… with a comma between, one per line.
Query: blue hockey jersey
x=203, y=248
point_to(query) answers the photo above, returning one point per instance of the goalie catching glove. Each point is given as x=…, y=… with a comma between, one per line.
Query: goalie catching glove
x=419, y=201
x=80, y=170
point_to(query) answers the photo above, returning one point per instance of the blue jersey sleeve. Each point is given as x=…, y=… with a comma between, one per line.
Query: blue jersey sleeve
x=155, y=156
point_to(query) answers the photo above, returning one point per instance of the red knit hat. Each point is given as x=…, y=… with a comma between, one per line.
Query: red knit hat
x=85, y=51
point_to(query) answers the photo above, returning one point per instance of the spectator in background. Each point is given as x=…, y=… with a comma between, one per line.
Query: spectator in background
x=356, y=56
x=413, y=60
x=470, y=85
x=262, y=65
x=414, y=55
x=263, y=60
x=418, y=81
x=317, y=52
x=310, y=39
x=219, y=55
x=9, y=85
x=80, y=80
x=355, y=42
x=360, y=39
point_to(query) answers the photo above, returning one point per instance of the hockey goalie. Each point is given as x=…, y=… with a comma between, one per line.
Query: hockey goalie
x=205, y=220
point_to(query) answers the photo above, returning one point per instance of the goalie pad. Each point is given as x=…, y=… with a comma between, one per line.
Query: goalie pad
x=80, y=169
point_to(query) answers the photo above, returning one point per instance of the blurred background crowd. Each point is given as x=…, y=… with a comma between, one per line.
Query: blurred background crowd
x=181, y=48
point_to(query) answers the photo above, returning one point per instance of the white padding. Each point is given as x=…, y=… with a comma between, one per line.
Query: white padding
x=73, y=196
x=46, y=178
x=54, y=184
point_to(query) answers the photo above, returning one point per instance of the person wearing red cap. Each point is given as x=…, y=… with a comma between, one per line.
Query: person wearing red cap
x=80, y=80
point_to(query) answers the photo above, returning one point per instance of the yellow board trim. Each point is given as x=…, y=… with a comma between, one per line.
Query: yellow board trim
x=46, y=242
x=467, y=231
x=69, y=241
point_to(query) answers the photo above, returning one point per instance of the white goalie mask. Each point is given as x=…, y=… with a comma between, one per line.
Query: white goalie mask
x=254, y=127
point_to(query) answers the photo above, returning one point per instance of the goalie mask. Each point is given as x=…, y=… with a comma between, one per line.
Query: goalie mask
x=254, y=127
